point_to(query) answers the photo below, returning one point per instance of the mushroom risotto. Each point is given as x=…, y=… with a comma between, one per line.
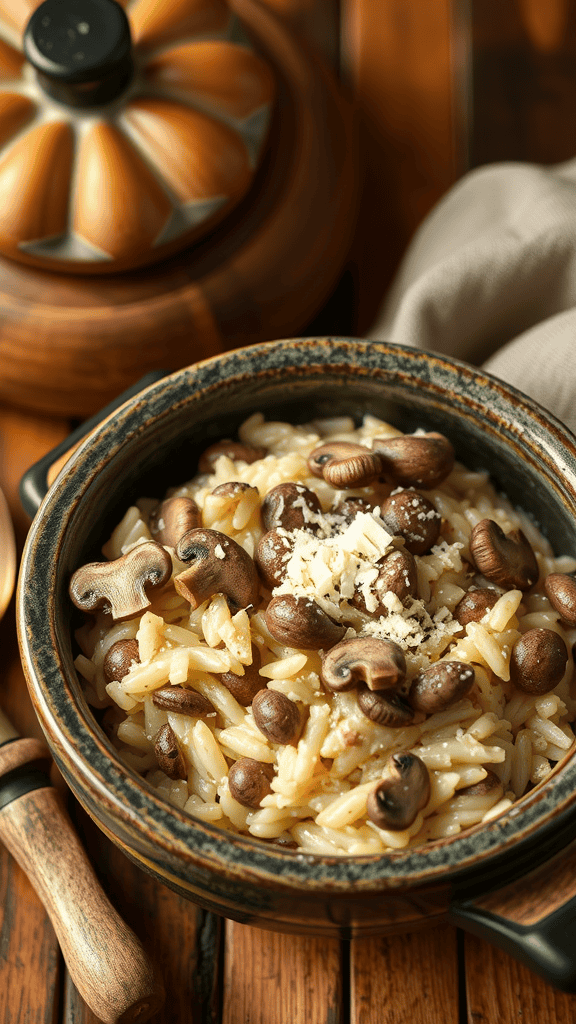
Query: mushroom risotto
x=332, y=638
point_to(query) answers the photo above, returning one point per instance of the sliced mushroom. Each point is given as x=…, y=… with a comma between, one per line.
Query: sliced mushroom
x=184, y=701
x=244, y=688
x=538, y=661
x=474, y=605
x=235, y=450
x=119, y=658
x=277, y=717
x=173, y=518
x=397, y=574
x=168, y=754
x=560, y=589
x=300, y=622
x=249, y=781
x=503, y=558
x=273, y=551
x=380, y=664
x=384, y=707
x=415, y=460
x=344, y=465
x=121, y=584
x=286, y=506
x=440, y=685
x=218, y=565
x=410, y=515
x=405, y=789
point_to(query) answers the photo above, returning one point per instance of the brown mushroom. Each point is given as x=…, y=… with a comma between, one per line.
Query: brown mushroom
x=506, y=559
x=440, y=685
x=232, y=489
x=168, y=754
x=350, y=507
x=397, y=574
x=380, y=664
x=410, y=515
x=183, y=701
x=394, y=802
x=300, y=622
x=235, y=450
x=173, y=518
x=560, y=589
x=121, y=584
x=218, y=565
x=119, y=658
x=538, y=661
x=385, y=707
x=249, y=781
x=273, y=551
x=488, y=785
x=244, y=688
x=277, y=717
x=415, y=460
x=474, y=605
x=344, y=465
x=285, y=506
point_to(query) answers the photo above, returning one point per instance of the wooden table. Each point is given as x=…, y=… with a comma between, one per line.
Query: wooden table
x=220, y=972
x=411, y=65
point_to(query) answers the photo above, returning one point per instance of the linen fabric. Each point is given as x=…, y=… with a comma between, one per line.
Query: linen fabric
x=490, y=278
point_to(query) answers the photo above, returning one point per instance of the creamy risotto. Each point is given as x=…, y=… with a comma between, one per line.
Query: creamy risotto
x=332, y=638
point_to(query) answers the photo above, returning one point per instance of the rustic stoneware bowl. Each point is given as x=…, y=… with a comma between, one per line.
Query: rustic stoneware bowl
x=511, y=879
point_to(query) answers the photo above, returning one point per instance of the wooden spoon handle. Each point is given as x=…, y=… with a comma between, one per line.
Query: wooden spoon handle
x=106, y=961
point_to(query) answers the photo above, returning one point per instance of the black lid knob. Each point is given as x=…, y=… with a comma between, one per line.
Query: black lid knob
x=81, y=50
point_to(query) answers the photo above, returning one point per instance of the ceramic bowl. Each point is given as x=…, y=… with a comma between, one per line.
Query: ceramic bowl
x=152, y=441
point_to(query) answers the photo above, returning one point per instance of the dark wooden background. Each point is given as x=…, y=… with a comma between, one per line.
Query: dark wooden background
x=439, y=86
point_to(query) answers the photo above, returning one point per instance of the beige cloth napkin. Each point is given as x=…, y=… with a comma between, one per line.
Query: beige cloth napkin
x=490, y=278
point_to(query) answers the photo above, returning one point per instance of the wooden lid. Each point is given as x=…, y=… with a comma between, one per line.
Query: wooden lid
x=124, y=135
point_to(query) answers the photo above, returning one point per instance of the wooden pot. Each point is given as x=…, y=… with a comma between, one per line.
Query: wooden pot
x=69, y=343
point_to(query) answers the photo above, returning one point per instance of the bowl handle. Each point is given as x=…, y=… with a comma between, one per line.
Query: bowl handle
x=533, y=918
x=37, y=480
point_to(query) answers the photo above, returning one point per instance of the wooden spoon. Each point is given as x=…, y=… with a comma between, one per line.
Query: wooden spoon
x=109, y=966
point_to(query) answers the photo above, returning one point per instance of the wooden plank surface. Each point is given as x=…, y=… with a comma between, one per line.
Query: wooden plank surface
x=282, y=978
x=405, y=978
x=500, y=989
x=523, y=80
x=398, y=60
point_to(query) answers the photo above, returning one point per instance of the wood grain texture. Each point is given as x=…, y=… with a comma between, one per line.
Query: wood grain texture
x=30, y=964
x=270, y=977
x=523, y=80
x=316, y=21
x=412, y=978
x=70, y=344
x=24, y=438
x=183, y=940
x=499, y=990
x=397, y=57
x=21, y=752
x=535, y=896
x=107, y=963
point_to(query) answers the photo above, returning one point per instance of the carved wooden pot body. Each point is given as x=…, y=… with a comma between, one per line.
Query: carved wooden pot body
x=275, y=233
x=126, y=134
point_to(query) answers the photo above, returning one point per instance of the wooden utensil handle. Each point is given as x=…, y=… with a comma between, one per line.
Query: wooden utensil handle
x=532, y=918
x=106, y=961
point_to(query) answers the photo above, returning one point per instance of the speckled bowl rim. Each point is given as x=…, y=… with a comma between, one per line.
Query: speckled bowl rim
x=118, y=791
